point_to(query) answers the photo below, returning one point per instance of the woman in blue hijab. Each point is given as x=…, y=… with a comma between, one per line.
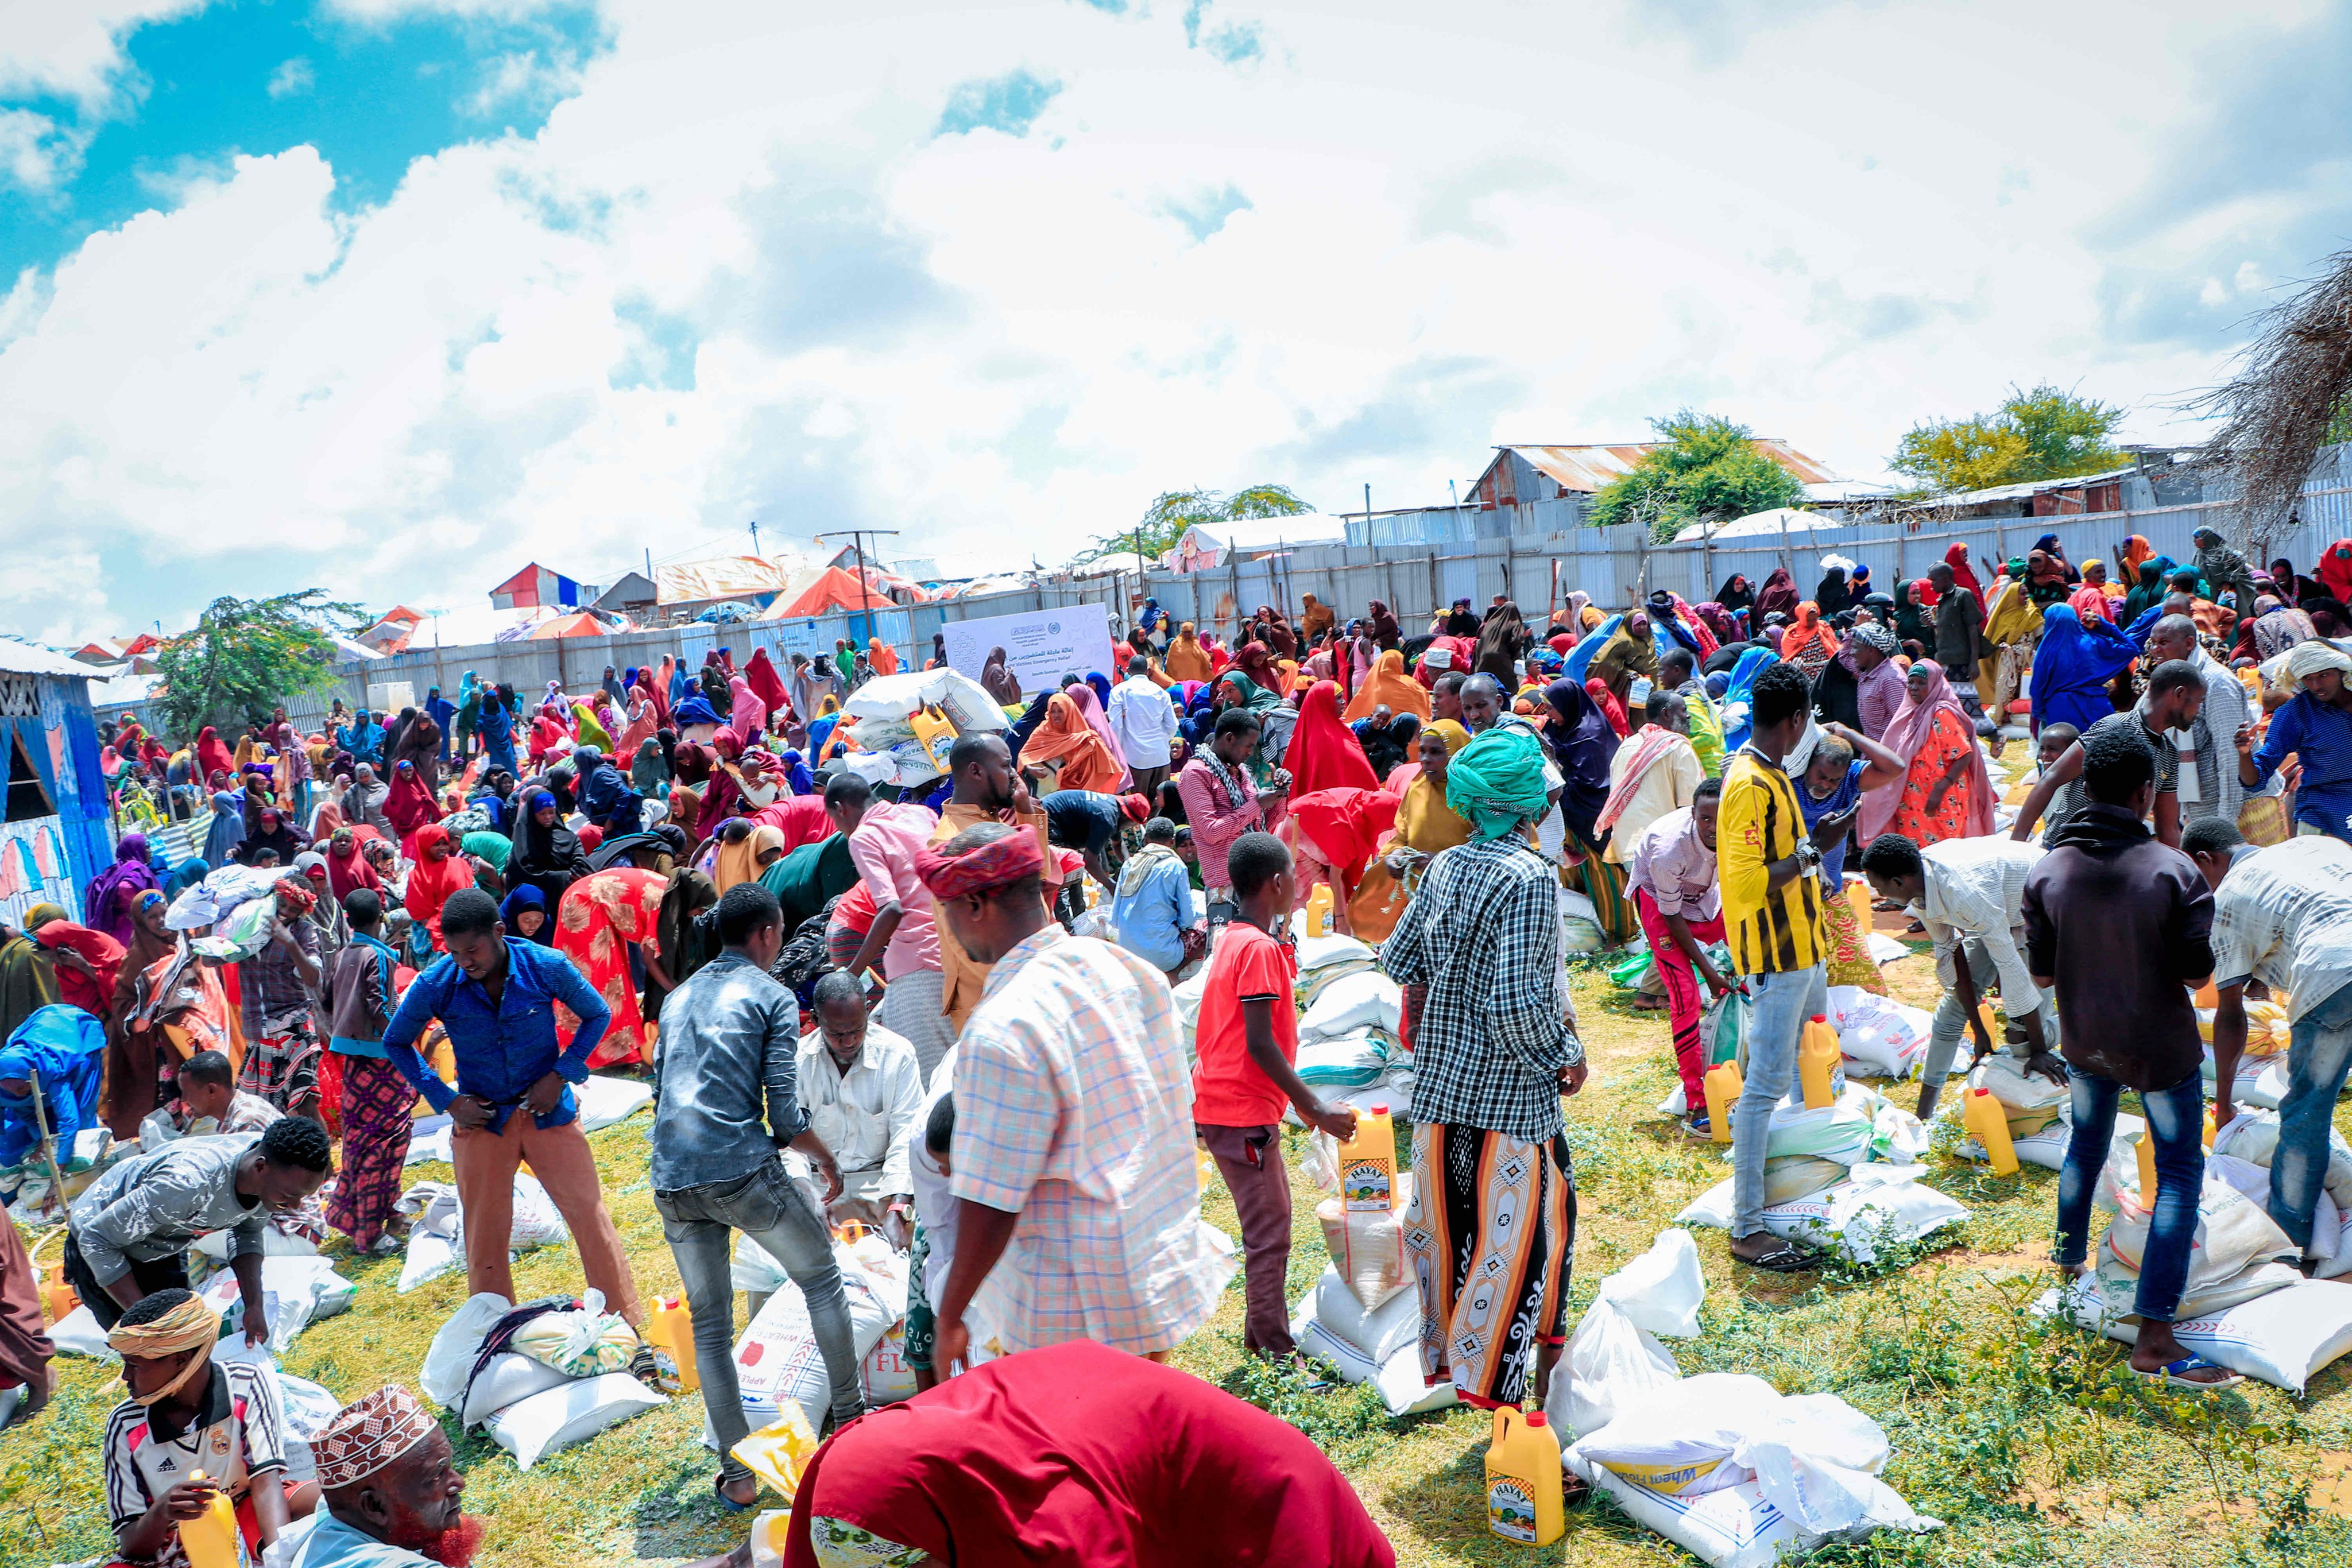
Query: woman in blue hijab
x=66, y=1048
x=1739, y=690
x=2072, y=667
x=226, y=829
x=1101, y=684
x=527, y=900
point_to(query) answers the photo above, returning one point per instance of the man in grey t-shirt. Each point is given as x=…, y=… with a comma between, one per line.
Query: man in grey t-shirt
x=726, y=1101
x=2175, y=693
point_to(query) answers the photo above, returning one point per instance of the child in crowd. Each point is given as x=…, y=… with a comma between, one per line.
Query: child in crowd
x=210, y=1102
x=1248, y=1037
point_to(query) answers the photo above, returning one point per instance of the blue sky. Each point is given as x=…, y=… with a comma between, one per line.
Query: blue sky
x=391, y=296
x=258, y=76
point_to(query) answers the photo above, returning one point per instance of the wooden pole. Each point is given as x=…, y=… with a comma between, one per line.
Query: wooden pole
x=48, y=1142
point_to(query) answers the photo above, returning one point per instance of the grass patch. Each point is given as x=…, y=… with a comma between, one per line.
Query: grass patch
x=2027, y=1439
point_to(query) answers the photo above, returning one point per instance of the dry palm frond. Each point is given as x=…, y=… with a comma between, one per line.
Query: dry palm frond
x=2291, y=379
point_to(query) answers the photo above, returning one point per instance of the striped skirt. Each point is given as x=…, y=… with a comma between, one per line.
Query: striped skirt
x=377, y=1103
x=1491, y=1236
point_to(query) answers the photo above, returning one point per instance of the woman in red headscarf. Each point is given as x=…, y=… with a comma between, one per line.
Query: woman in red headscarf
x=409, y=806
x=1956, y=556
x=1077, y=1454
x=1323, y=753
x=347, y=868
x=212, y=756
x=439, y=871
x=761, y=675
x=1335, y=833
x=2335, y=571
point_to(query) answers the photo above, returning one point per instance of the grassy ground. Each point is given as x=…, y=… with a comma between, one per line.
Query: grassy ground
x=2029, y=1443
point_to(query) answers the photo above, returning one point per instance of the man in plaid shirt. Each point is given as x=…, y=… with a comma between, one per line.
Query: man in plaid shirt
x=1073, y=1163
x=1494, y=1048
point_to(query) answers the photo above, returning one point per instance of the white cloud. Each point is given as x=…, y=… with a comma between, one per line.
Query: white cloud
x=73, y=48
x=292, y=78
x=737, y=276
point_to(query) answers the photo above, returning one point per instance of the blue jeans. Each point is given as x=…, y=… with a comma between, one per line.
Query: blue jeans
x=1783, y=1003
x=700, y=1223
x=2176, y=1120
x=2316, y=1061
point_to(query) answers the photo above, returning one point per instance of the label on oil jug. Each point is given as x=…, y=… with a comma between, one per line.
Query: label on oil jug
x=1511, y=1509
x=666, y=1371
x=1364, y=1186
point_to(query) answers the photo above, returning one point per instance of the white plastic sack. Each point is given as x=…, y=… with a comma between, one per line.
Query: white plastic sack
x=1612, y=1365
x=1732, y=1527
x=2232, y=1233
x=1375, y=1333
x=428, y=1140
x=1353, y=1002
x=965, y=701
x=437, y=1242
x=606, y=1101
x=2254, y=1136
x=1356, y=1059
x=2282, y=1338
x=294, y=1291
x=306, y=1407
x=450, y=1357
x=777, y=1357
x=78, y=1334
x=884, y=1373
x=1840, y=1131
x=561, y=1417
x=1881, y=1036
x=1367, y=1248
x=1316, y=952
x=1682, y=1440
x=1662, y=1290
x=1879, y=1203
x=510, y=1378
x=1398, y=1381
x=2004, y=1075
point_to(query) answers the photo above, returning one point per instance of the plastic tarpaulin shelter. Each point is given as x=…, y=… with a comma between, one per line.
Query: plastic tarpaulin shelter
x=578, y=625
x=831, y=591
x=725, y=577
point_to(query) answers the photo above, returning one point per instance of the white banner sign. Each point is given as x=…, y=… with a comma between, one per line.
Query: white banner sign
x=1041, y=645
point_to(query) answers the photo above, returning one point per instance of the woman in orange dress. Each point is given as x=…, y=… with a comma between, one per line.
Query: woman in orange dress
x=1947, y=791
x=1068, y=751
x=601, y=915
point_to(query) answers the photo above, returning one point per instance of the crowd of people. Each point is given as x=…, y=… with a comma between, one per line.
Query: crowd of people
x=947, y=1012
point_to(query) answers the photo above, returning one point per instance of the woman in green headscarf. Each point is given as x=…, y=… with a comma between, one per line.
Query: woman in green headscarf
x=490, y=846
x=2149, y=591
x=1497, y=782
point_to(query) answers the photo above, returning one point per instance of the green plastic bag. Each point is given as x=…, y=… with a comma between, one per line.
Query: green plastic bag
x=1632, y=971
x=1725, y=1030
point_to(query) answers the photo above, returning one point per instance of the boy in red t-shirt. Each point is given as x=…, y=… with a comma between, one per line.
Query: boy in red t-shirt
x=1248, y=1040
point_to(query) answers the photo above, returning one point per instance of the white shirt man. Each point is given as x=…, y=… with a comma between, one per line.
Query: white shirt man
x=1973, y=907
x=869, y=1113
x=1144, y=720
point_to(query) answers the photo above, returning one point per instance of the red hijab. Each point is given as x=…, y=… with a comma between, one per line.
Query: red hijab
x=346, y=872
x=1956, y=557
x=1348, y=824
x=1081, y=1454
x=1325, y=754
x=410, y=805
x=212, y=757
x=431, y=882
x=766, y=684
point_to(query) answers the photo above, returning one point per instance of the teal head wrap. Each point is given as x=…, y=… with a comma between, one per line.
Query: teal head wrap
x=1497, y=782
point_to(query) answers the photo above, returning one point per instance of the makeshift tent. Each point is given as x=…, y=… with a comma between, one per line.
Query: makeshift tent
x=580, y=624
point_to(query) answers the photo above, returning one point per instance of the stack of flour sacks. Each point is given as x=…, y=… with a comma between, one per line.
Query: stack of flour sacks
x=2041, y=1115
x=2247, y=1306
x=539, y=1377
x=777, y=1361
x=1363, y=1316
x=1843, y=1175
x=1722, y=1464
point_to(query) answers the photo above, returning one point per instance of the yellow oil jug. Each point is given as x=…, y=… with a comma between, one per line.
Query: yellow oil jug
x=669, y=1331
x=1367, y=1164
x=1987, y=1121
x=1821, y=1065
x=1724, y=1085
x=59, y=1297
x=934, y=734
x=210, y=1539
x=1857, y=894
x=2147, y=1170
x=1523, y=1479
x=2207, y=997
x=1318, y=910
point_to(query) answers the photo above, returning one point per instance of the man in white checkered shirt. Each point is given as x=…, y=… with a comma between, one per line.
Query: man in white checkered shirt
x=1078, y=1201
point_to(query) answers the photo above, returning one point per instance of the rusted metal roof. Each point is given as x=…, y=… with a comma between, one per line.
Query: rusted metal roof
x=1588, y=468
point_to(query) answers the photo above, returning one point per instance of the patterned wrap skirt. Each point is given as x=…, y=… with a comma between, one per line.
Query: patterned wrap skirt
x=1491, y=1237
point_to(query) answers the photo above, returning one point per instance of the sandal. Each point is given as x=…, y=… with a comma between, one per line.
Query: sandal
x=1786, y=1259
x=2174, y=1375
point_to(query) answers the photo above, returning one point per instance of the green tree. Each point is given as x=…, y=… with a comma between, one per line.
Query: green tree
x=1704, y=469
x=245, y=656
x=2045, y=433
x=1173, y=511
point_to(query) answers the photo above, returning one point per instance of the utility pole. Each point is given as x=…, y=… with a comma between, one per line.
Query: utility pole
x=755, y=537
x=857, y=537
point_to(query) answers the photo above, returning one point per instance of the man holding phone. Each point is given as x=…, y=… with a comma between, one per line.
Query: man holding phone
x=1969, y=894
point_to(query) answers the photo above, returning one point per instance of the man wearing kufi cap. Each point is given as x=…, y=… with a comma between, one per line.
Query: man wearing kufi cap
x=392, y=1486
x=1077, y=1195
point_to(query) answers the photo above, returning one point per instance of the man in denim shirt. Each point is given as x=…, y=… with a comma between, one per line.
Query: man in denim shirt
x=496, y=996
x=1153, y=911
x=726, y=1101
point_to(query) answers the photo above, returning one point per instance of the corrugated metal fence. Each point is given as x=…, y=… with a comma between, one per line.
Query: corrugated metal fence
x=1537, y=571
